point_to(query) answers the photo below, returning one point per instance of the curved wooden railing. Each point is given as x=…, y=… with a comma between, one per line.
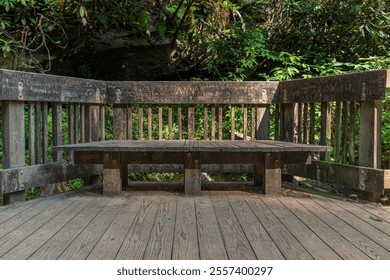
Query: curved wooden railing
x=343, y=111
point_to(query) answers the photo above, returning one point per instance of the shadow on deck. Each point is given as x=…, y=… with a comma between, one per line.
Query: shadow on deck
x=217, y=225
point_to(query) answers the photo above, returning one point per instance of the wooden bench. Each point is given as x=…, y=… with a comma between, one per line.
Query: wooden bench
x=267, y=156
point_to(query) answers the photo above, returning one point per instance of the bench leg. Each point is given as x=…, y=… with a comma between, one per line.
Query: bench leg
x=112, y=173
x=192, y=174
x=272, y=174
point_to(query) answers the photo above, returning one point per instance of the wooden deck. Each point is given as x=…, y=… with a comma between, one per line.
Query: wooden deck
x=217, y=225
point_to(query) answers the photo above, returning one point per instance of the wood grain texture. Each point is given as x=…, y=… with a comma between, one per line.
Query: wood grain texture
x=369, y=247
x=237, y=246
x=211, y=244
x=185, y=242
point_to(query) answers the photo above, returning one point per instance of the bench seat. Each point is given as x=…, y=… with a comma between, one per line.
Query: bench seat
x=267, y=156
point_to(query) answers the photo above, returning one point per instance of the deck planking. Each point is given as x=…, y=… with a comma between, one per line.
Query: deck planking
x=216, y=225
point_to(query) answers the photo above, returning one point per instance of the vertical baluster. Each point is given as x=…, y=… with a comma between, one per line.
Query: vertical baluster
x=160, y=123
x=344, y=144
x=312, y=122
x=245, y=129
x=76, y=124
x=305, y=123
x=57, y=130
x=263, y=122
x=38, y=132
x=82, y=123
x=232, y=123
x=141, y=122
x=31, y=135
x=300, y=122
x=338, y=121
x=129, y=122
x=351, y=135
x=213, y=123
x=205, y=122
x=277, y=122
x=92, y=123
x=45, y=132
x=326, y=128
x=253, y=122
x=191, y=122
x=71, y=123
x=170, y=125
x=119, y=122
x=102, y=124
x=180, y=123
x=220, y=116
x=150, y=123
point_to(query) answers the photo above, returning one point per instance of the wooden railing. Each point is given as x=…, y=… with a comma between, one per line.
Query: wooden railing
x=343, y=111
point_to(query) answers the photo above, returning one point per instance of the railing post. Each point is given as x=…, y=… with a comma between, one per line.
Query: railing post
x=290, y=122
x=370, y=140
x=13, y=142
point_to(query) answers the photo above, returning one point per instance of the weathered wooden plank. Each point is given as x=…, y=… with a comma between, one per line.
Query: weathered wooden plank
x=28, y=228
x=19, y=179
x=54, y=247
x=305, y=124
x=109, y=244
x=160, y=123
x=286, y=242
x=360, y=241
x=13, y=141
x=237, y=245
x=26, y=86
x=211, y=246
x=300, y=122
x=330, y=236
x=192, y=92
x=379, y=237
x=253, y=122
x=353, y=177
x=14, y=219
x=82, y=246
x=82, y=123
x=370, y=132
x=304, y=234
x=388, y=79
x=77, y=123
x=134, y=245
x=45, y=132
x=27, y=246
x=261, y=242
x=71, y=126
x=160, y=243
x=348, y=87
x=185, y=243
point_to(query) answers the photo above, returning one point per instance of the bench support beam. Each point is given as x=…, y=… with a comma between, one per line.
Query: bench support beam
x=192, y=174
x=112, y=173
x=272, y=174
